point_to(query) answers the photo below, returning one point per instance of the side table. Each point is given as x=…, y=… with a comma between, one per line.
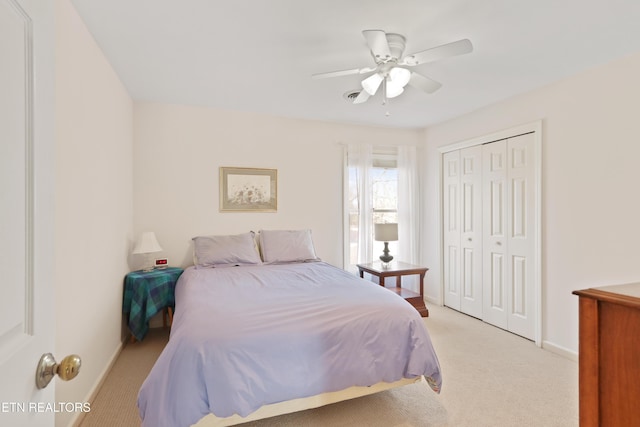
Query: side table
x=398, y=269
x=145, y=295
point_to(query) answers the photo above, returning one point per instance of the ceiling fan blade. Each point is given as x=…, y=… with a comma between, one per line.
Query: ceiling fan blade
x=439, y=52
x=341, y=73
x=424, y=83
x=377, y=42
x=362, y=97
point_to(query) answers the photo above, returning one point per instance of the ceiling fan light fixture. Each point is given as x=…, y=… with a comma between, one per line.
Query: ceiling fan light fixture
x=399, y=76
x=372, y=83
x=393, y=89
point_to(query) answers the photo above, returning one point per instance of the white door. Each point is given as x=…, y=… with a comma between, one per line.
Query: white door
x=451, y=231
x=471, y=231
x=521, y=228
x=26, y=208
x=463, y=230
x=495, y=283
x=509, y=234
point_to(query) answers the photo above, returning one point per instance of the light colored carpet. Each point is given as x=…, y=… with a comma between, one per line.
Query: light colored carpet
x=490, y=378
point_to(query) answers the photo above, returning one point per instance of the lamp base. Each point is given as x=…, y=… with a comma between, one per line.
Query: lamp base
x=385, y=257
x=148, y=264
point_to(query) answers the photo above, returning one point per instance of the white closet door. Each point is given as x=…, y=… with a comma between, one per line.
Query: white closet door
x=520, y=234
x=451, y=232
x=495, y=283
x=471, y=231
x=509, y=235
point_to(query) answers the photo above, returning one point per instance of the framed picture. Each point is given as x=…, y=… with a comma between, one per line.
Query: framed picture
x=248, y=190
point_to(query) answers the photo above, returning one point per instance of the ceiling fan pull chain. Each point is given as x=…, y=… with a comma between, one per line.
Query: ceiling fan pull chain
x=385, y=100
x=384, y=91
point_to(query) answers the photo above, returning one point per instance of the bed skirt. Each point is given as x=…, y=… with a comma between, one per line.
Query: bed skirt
x=302, y=404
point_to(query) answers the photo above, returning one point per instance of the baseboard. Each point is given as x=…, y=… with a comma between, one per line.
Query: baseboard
x=79, y=417
x=560, y=351
x=432, y=300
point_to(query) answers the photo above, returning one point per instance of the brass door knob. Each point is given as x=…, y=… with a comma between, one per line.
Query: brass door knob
x=47, y=368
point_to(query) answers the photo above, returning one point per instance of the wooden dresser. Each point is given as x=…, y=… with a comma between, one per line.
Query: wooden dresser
x=609, y=356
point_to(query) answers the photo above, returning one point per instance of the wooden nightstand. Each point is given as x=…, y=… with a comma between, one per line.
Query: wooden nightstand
x=145, y=295
x=398, y=269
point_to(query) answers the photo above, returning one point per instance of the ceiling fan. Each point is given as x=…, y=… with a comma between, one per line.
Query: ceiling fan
x=391, y=69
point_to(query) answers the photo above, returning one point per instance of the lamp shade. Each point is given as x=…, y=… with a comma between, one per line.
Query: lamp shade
x=400, y=76
x=393, y=90
x=396, y=81
x=147, y=244
x=386, y=232
x=372, y=83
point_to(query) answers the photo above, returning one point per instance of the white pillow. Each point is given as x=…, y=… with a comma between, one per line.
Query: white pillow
x=286, y=246
x=220, y=251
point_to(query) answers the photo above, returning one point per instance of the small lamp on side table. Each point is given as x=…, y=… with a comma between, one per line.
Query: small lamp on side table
x=386, y=233
x=147, y=245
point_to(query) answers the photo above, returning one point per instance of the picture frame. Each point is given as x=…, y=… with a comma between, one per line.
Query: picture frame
x=248, y=189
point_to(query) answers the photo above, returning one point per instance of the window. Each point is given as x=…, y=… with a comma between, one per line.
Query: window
x=381, y=183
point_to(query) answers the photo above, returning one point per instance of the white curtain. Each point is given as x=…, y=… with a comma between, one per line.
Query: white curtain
x=358, y=206
x=408, y=210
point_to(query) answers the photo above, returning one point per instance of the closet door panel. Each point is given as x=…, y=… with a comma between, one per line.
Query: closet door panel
x=495, y=279
x=451, y=232
x=520, y=238
x=471, y=232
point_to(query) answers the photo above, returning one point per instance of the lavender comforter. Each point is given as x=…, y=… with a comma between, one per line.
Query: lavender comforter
x=243, y=337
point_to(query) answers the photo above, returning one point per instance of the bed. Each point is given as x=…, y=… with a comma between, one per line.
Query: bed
x=259, y=337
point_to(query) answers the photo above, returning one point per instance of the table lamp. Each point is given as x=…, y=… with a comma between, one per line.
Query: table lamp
x=147, y=244
x=386, y=233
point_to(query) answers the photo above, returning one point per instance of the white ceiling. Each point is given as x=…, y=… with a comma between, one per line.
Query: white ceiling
x=259, y=55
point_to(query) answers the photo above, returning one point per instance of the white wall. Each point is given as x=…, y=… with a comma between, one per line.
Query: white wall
x=94, y=204
x=590, y=174
x=178, y=152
